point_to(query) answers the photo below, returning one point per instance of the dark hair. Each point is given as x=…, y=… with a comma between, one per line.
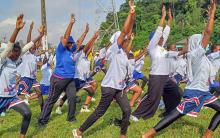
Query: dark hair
x=130, y=56
x=16, y=46
x=81, y=47
x=214, y=46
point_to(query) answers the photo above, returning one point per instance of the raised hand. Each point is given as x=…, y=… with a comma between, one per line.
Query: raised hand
x=170, y=14
x=20, y=23
x=41, y=30
x=87, y=27
x=72, y=18
x=32, y=25
x=132, y=6
x=164, y=11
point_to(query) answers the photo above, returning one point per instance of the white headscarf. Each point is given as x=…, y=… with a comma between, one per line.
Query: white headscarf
x=194, y=43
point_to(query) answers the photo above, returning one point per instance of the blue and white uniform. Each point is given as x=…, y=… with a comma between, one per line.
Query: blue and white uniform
x=8, y=92
x=45, y=81
x=27, y=71
x=82, y=74
x=199, y=72
x=99, y=64
x=137, y=74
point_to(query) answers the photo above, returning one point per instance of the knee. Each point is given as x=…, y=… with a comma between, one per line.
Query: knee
x=27, y=114
x=127, y=112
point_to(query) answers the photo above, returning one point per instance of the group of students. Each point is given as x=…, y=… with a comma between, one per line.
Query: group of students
x=169, y=67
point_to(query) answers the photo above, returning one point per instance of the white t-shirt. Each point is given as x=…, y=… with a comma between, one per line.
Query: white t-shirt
x=9, y=72
x=82, y=66
x=201, y=70
x=46, y=74
x=159, y=62
x=215, y=60
x=28, y=67
x=118, y=69
x=131, y=68
x=102, y=53
x=139, y=64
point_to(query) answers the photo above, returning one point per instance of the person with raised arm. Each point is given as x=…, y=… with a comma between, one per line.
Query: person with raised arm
x=63, y=77
x=196, y=93
x=28, y=73
x=9, y=61
x=159, y=82
x=83, y=79
x=114, y=81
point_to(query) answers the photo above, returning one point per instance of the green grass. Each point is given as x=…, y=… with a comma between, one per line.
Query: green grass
x=58, y=127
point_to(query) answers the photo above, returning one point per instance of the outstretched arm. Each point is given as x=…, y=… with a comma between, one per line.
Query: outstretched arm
x=41, y=31
x=88, y=47
x=30, y=32
x=128, y=24
x=68, y=31
x=129, y=46
x=166, y=31
x=19, y=25
x=159, y=32
x=82, y=37
x=209, y=27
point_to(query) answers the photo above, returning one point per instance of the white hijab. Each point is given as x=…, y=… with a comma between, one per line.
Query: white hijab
x=193, y=43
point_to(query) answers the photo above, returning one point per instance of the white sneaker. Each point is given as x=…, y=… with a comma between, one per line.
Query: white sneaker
x=93, y=99
x=85, y=109
x=58, y=110
x=161, y=105
x=26, y=101
x=75, y=134
x=133, y=118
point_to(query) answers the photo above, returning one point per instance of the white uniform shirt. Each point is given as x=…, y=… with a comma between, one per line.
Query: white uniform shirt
x=131, y=68
x=215, y=60
x=9, y=72
x=118, y=69
x=159, y=62
x=82, y=66
x=201, y=70
x=28, y=67
x=102, y=53
x=46, y=74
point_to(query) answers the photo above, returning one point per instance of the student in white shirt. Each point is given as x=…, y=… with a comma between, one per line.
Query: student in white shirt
x=139, y=63
x=83, y=80
x=46, y=74
x=114, y=81
x=159, y=82
x=28, y=72
x=196, y=94
x=9, y=61
x=100, y=61
x=214, y=57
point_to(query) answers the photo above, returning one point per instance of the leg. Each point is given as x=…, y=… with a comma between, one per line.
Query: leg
x=144, y=82
x=171, y=96
x=106, y=99
x=40, y=97
x=137, y=92
x=24, y=110
x=151, y=100
x=216, y=118
x=57, y=87
x=123, y=102
x=166, y=121
x=71, y=96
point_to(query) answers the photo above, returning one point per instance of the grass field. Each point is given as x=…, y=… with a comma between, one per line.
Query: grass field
x=58, y=127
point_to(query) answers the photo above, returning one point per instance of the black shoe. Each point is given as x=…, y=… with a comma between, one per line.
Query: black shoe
x=41, y=125
x=71, y=120
x=117, y=122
